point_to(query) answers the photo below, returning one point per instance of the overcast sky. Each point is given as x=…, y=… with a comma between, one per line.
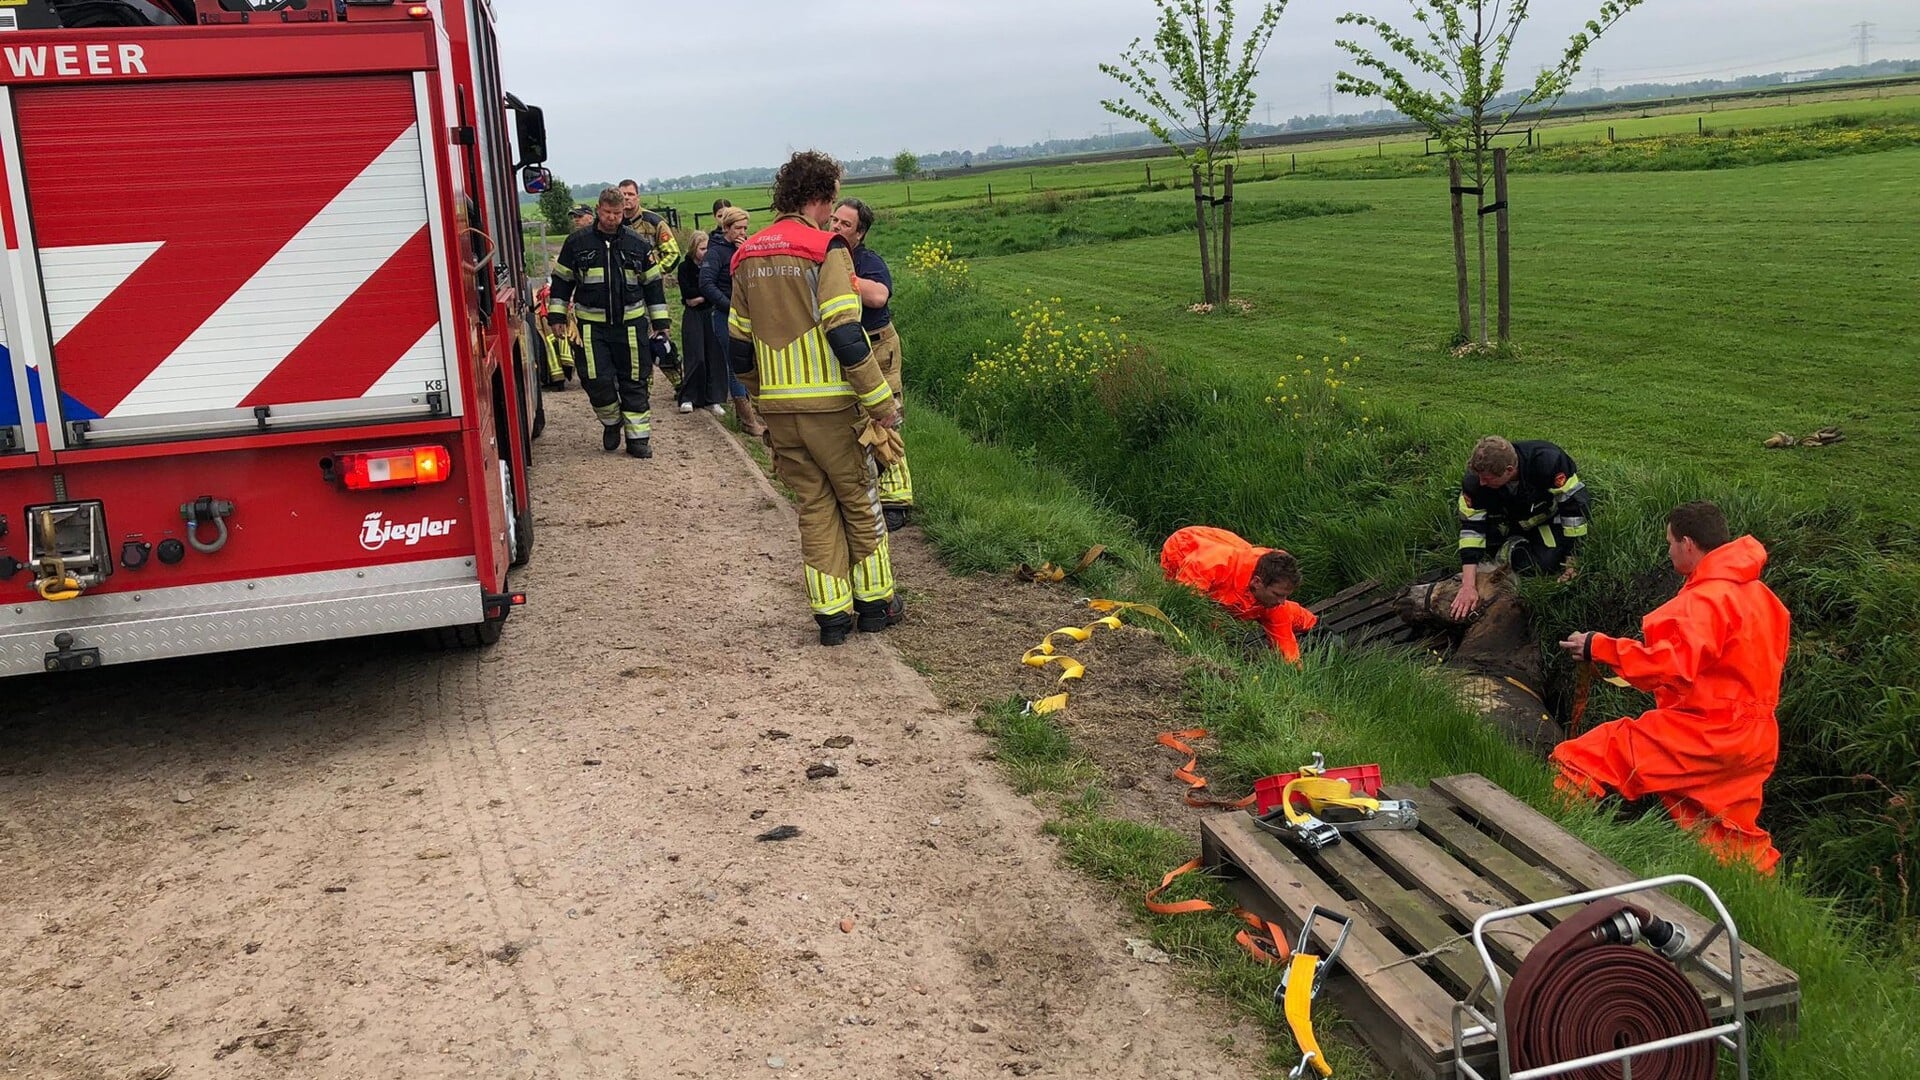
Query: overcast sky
x=673, y=96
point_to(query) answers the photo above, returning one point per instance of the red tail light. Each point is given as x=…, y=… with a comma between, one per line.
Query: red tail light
x=404, y=466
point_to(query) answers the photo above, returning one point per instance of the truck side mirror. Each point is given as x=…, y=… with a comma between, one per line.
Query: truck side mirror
x=536, y=179
x=530, y=126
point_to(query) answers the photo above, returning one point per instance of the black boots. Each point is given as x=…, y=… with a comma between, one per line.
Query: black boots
x=877, y=615
x=834, y=628
x=640, y=448
x=896, y=517
x=610, y=437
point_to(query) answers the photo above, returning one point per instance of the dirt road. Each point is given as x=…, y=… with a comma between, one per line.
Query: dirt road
x=539, y=861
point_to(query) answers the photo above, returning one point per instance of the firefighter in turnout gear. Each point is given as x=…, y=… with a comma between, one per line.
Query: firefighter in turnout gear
x=651, y=226
x=1521, y=505
x=560, y=339
x=666, y=249
x=795, y=341
x=874, y=282
x=607, y=277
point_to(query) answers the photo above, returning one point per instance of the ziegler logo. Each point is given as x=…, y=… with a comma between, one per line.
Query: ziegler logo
x=377, y=530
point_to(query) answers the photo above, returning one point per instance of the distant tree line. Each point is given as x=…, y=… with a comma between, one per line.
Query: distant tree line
x=947, y=160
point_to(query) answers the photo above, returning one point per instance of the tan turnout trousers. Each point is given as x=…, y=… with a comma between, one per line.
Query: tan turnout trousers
x=896, y=480
x=842, y=535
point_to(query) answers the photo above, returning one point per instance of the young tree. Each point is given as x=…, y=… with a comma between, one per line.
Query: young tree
x=554, y=204
x=906, y=166
x=1463, y=57
x=1193, y=89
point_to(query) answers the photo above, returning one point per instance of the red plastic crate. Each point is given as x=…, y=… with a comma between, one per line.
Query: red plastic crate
x=1365, y=780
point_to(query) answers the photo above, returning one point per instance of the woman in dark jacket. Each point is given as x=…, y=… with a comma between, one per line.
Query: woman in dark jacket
x=716, y=284
x=703, y=383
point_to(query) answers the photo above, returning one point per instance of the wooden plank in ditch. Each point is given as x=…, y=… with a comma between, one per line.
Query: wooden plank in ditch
x=1352, y=592
x=1403, y=1011
x=1772, y=989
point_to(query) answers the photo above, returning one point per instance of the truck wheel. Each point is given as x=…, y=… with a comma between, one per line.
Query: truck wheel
x=536, y=374
x=476, y=636
x=520, y=532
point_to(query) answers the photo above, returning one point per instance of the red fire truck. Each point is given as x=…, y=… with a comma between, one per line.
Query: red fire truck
x=264, y=375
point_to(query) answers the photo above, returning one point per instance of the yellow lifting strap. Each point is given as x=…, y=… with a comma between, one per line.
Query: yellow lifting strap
x=1070, y=669
x=1322, y=793
x=1298, y=1005
x=1301, y=985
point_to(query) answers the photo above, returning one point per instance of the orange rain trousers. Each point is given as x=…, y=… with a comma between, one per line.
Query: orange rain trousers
x=1712, y=659
x=1220, y=564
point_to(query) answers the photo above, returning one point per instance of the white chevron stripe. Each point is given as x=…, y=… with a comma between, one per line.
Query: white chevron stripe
x=306, y=281
x=78, y=278
x=410, y=374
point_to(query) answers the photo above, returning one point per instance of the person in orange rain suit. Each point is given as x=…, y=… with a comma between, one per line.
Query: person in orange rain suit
x=1712, y=660
x=1252, y=582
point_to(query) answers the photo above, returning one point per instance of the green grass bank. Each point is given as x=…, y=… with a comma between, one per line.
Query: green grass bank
x=990, y=507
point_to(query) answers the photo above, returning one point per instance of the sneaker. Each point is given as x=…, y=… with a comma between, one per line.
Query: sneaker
x=877, y=615
x=640, y=448
x=686, y=407
x=717, y=410
x=834, y=628
x=609, y=437
x=896, y=517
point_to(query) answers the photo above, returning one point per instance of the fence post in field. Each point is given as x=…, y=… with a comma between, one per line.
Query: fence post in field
x=1609, y=132
x=989, y=194
x=1029, y=181
x=1149, y=174
x=1293, y=163
x=1200, y=221
x=1459, y=248
x=1500, y=242
x=1699, y=125
x=1226, y=241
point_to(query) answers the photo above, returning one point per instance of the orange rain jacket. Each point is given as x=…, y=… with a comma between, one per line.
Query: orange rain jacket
x=1712, y=660
x=1220, y=564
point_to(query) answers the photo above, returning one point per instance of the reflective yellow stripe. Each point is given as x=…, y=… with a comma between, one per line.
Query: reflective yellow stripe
x=876, y=395
x=635, y=365
x=595, y=275
x=1546, y=536
x=801, y=393
x=562, y=272
x=1472, y=540
x=653, y=274
x=1572, y=485
x=737, y=321
x=587, y=364
x=828, y=595
x=873, y=577
x=1575, y=531
x=835, y=305
x=656, y=311
x=1467, y=511
x=806, y=368
x=1537, y=519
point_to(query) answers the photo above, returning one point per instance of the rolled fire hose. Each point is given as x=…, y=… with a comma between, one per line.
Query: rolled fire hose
x=1587, y=989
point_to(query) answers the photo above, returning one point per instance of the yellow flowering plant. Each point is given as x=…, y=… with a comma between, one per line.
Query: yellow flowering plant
x=1322, y=398
x=1052, y=353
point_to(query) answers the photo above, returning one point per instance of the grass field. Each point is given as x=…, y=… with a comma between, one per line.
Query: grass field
x=1658, y=315
x=1119, y=174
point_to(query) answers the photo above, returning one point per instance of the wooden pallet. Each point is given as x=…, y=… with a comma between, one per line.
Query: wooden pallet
x=1364, y=614
x=1478, y=849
